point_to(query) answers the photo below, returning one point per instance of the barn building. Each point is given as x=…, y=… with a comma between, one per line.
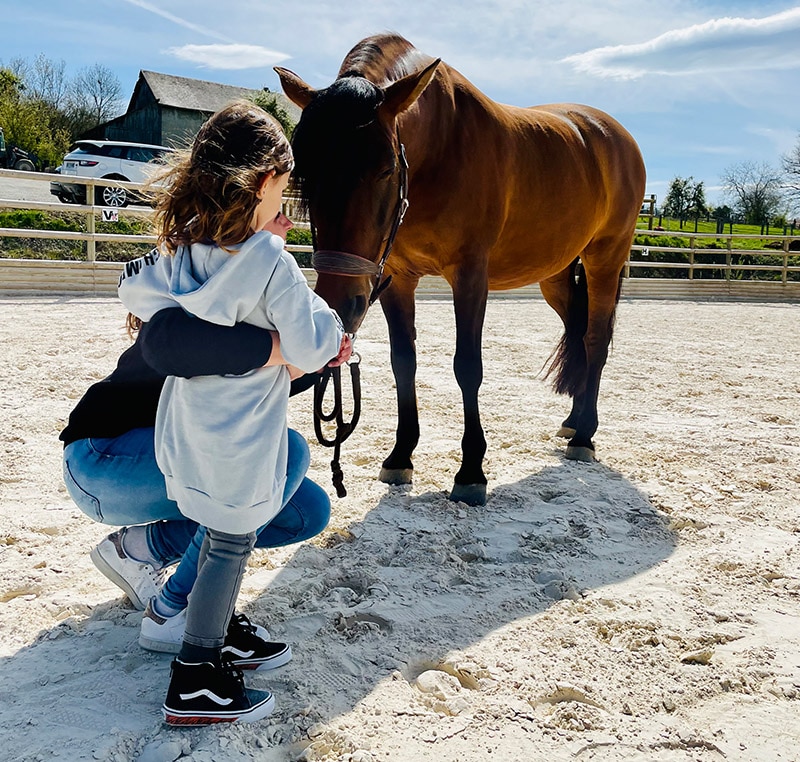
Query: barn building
x=168, y=110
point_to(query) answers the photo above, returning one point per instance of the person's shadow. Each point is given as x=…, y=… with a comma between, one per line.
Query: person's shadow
x=421, y=579
x=410, y=588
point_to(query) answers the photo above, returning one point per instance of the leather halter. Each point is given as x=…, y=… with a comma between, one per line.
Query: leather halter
x=344, y=263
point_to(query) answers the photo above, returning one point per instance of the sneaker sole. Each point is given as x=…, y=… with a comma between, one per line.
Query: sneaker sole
x=170, y=647
x=180, y=718
x=284, y=657
x=120, y=581
x=162, y=646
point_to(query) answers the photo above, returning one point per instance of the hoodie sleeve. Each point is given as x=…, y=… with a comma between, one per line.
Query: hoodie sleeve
x=144, y=285
x=311, y=332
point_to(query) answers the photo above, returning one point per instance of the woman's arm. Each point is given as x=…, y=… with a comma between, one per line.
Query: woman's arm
x=175, y=343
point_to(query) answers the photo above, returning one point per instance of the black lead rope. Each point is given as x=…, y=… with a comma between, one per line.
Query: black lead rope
x=343, y=428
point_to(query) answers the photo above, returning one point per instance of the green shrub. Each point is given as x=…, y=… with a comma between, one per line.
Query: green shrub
x=299, y=237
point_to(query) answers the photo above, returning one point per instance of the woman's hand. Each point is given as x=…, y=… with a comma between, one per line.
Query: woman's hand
x=280, y=225
x=345, y=352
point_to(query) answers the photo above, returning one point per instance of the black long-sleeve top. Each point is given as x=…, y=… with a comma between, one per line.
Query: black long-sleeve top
x=172, y=343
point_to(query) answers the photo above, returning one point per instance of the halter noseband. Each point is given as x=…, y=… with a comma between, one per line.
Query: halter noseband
x=344, y=263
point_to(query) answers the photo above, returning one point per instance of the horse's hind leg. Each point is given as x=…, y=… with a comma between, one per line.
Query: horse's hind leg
x=568, y=298
x=397, y=303
x=587, y=304
x=602, y=267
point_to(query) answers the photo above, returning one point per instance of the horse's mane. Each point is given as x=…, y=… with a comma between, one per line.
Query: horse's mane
x=382, y=59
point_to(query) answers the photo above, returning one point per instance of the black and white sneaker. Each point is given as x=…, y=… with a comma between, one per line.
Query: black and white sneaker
x=204, y=694
x=246, y=648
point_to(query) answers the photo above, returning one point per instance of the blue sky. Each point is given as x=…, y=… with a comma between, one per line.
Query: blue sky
x=701, y=84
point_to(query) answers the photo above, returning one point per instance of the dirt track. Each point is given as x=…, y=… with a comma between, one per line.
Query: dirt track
x=641, y=608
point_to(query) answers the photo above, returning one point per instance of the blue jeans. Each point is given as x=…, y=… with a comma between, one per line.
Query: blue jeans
x=117, y=481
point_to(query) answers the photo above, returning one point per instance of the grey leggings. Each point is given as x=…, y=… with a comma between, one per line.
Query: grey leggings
x=220, y=569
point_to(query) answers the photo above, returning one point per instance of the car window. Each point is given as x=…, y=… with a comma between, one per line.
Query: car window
x=136, y=153
x=90, y=149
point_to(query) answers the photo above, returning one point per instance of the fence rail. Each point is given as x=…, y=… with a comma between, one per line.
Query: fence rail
x=91, y=211
x=729, y=267
x=24, y=276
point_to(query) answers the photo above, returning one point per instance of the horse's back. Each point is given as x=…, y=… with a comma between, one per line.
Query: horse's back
x=572, y=174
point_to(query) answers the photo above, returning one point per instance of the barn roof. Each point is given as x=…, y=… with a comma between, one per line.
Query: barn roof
x=197, y=94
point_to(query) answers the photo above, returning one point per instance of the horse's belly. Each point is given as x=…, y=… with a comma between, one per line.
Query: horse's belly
x=524, y=268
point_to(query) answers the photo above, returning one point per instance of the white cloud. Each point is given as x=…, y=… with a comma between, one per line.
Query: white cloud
x=782, y=139
x=233, y=56
x=718, y=45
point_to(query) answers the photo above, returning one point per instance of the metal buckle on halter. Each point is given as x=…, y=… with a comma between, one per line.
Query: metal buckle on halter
x=403, y=209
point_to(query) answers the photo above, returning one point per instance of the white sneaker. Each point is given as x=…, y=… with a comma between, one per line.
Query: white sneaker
x=139, y=580
x=162, y=633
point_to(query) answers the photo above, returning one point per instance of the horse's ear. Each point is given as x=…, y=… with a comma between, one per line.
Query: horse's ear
x=403, y=93
x=296, y=90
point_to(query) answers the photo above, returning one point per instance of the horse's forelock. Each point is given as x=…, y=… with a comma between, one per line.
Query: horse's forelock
x=350, y=102
x=326, y=138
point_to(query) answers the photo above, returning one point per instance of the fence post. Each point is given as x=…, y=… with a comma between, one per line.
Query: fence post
x=785, y=273
x=90, y=242
x=729, y=259
x=691, y=258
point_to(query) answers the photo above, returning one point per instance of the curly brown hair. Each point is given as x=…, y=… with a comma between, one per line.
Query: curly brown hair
x=208, y=193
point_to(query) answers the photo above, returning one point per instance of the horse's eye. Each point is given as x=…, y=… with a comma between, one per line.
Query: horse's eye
x=386, y=174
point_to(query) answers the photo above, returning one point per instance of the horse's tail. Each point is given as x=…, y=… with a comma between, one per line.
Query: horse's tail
x=567, y=363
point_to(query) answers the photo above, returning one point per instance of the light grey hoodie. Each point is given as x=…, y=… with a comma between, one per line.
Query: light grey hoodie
x=221, y=440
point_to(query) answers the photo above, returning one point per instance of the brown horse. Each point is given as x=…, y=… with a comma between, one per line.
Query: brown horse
x=498, y=197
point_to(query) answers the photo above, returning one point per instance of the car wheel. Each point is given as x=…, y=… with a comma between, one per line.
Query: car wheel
x=114, y=196
x=25, y=166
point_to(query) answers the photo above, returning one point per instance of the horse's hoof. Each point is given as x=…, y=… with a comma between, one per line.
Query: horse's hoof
x=566, y=432
x=471, y=494
x=396, y=475
x=583, y=454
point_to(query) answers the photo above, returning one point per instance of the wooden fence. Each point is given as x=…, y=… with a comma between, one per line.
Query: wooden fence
x=31, y=277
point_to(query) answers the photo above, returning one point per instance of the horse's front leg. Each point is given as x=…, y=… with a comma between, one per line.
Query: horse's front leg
x=470, y=290
x=397, y=303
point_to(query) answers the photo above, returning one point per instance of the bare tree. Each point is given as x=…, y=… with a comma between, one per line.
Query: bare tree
x=95, y=97
x=756, y=190
x=791, y=166
x=46, y=80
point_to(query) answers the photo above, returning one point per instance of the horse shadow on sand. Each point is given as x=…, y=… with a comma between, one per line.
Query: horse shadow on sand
x=412, y=587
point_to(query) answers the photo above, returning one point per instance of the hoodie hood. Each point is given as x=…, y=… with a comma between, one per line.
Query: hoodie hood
x=156, y=282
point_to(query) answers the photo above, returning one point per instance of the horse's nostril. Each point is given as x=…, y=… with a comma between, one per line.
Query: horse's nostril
x=359, y=305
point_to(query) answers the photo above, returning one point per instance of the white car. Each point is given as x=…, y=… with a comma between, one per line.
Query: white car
x=109, y=159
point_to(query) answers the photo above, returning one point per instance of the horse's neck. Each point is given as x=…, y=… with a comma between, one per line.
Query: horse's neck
x=449, y=117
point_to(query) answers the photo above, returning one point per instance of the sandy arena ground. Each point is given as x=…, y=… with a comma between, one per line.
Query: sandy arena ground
x=645, y=607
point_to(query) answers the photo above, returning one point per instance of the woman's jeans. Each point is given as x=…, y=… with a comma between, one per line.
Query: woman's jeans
x=117, y=481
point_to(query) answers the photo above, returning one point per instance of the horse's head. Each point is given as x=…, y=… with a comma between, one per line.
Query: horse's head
x=349, y=169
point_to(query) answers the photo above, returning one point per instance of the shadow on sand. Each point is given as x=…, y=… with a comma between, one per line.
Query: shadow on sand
x=411, y=587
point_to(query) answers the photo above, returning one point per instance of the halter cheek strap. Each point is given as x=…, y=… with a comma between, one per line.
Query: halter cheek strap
x=344, y=263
